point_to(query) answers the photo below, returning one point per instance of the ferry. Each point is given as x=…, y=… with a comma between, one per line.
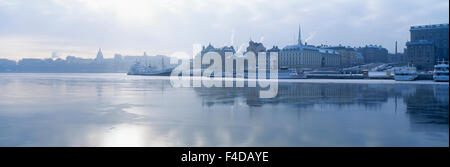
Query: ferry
x=441, y=72
x=139, y=69
x=407, y=73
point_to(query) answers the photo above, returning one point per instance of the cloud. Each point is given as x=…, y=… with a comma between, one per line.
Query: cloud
x=158, y=26
x=310, y=36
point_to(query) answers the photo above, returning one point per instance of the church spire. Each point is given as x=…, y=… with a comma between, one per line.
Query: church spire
x=299, y=35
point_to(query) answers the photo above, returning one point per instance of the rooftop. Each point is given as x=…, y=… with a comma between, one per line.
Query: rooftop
x=431, y=26
x=328, y=51
x=419, y=42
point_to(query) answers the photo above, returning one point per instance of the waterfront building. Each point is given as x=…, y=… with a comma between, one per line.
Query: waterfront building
x=373, y=54
x=117, y=58
x=396, y=57
x=205, y=50
x=7, y=65
x=77, y=60
x=330, y=58
x=256, y=47
x=274, y=49
x=220, y=51
x=428, y=44
x=307, y=56
x=98, y=64
x=349, y=55
x=359, y=58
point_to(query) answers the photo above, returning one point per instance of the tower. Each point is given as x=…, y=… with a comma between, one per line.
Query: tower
x=395, y=47
x=299, y=35
x=99, y=55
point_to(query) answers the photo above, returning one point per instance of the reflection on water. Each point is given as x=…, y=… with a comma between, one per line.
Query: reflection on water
x=120, y=110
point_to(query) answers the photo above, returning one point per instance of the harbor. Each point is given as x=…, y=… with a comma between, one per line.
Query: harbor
x=216, y=73
x=349, y=73
x=52, y=109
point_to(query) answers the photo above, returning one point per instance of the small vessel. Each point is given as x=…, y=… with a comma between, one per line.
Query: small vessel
x=407, y=73
x=138, y=69
x=440, y=73
x=291, y=74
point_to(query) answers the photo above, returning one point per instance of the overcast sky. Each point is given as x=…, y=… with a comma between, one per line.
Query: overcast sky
x=30, y=28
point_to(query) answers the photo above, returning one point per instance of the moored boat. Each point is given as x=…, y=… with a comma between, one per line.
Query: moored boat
x=291, y=74
x=138, y=69
x=407, y=73
x=440, y=73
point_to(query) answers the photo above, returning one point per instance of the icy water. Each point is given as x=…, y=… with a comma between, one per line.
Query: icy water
x=121, y=110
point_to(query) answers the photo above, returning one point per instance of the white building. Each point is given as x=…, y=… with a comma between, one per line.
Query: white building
x=307, y=56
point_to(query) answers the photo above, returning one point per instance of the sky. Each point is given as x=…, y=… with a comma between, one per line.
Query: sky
x=57, y=28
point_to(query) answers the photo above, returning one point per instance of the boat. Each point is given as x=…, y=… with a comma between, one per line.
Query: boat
x=291, y=74
x=440, y=73
x=406, y=73
x=139, y=69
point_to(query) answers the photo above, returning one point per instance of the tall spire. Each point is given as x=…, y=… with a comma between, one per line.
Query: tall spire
x=299, y=35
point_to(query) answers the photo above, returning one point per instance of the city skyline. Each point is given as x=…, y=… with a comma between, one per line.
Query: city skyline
x=78, y=28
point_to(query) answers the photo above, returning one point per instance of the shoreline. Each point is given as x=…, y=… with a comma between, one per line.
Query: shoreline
x=309, y=80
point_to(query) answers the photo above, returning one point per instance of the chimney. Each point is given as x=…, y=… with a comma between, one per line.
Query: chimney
x=299, y=40
x=396, y=47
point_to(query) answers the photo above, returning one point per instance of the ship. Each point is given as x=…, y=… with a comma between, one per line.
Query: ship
x=440, y=73
x=406, y=73
x=139, y=69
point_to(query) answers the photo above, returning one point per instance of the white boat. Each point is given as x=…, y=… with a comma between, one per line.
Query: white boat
x=440, y=73
x=138, y=69
x=407, y=73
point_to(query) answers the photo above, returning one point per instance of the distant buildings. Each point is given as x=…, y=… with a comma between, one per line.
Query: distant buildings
x=220, y=51
x=257, y=47
x=274, y=49
x=359, y=58
x=82, y=65
x=349, y=55
x=7, y=65
x=373, y=54
x=428, y=44
x=396, y=57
